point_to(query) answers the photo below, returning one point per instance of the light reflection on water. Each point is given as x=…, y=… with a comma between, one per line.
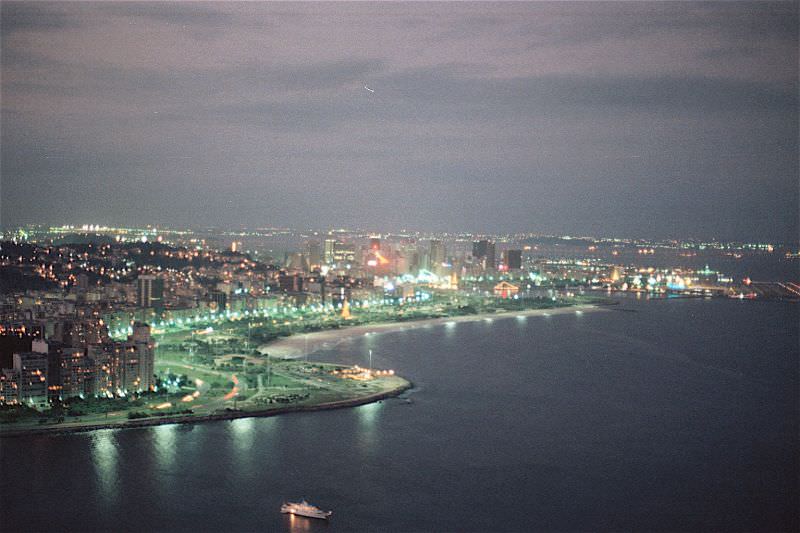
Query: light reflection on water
x=300, y=523
x=165, y=441
x=253, y=443
x=368, y=417
x=243, y=430
x=388, y=466
x=105, y=458
x=243, y=435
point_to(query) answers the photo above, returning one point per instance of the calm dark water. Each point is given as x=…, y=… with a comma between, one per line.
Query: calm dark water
x=679, y=415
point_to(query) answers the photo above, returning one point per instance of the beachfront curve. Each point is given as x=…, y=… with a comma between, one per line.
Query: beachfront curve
x=302, y=344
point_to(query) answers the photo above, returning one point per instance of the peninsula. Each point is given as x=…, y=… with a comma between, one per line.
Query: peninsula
x=218, y=373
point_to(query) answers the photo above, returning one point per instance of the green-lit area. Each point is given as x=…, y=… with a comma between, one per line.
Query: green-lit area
x=253, y=385
x=263, y=325
x=213, y=366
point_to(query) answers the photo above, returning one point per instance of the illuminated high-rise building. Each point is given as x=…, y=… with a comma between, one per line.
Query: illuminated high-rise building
x=9, y=386
x=133, y=361
x=149, y=291
x=479, y=249
x=290, y=282
x=401, y=263
x=490, y=257
x=344, y=253
x=100, y=357
x=330, y=250
x=218, y=299
x=297, y=261
x=438, y=255
x=31, y=372
x=75, y=369
x=484, y=252
x=314, y=255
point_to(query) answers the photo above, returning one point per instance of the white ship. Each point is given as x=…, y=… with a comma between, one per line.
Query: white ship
x=305, y=509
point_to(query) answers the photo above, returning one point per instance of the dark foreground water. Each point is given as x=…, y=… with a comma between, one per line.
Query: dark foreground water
x=679, y=415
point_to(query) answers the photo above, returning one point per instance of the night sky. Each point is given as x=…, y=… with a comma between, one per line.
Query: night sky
x=632, y=119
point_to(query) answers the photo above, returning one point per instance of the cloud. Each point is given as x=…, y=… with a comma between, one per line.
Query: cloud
x=663, y=104
x=37, y=17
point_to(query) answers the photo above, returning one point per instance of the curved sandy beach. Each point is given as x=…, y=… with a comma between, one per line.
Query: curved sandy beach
x=297, y=346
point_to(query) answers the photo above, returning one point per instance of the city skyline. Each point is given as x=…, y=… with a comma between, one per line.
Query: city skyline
x=633, y=119
x=399, y=266
x=133, y=234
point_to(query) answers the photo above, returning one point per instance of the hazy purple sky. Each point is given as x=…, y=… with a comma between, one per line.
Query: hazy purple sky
x=635, y=118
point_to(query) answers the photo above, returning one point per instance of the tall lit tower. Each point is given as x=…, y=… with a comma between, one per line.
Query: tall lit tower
x=149, y=291
x=438, y=255
x=514, y=259
x=484, y=252
x=314, y=255
x=330, y=250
